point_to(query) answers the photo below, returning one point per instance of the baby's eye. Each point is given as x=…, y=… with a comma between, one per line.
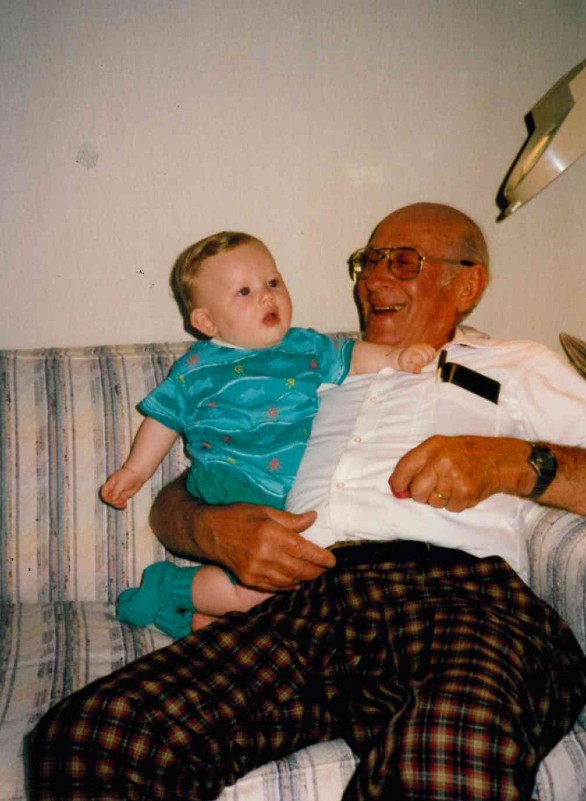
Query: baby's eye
x=244, y=291
x=273, y=283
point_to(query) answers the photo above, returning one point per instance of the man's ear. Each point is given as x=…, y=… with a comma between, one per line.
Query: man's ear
x=202, y=320
x=469, y=286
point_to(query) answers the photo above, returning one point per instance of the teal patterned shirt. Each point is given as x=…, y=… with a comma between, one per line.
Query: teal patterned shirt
x=246, y=415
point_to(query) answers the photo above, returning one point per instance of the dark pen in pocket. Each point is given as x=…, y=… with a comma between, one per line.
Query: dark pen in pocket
x=465, y=378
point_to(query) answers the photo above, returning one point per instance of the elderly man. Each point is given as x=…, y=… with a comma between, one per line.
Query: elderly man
x=414, y=637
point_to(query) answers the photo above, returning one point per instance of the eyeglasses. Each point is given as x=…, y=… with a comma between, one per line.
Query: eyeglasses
x=403, y=263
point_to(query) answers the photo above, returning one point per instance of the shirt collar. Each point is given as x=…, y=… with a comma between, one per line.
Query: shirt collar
x=467, y=336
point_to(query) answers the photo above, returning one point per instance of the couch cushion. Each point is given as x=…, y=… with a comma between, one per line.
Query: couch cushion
x=556, y=541
x=67, y=419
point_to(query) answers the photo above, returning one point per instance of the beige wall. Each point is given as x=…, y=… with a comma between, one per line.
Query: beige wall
x=130, y=128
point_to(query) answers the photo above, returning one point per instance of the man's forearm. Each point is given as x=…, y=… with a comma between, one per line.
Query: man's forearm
x=568, y=489
x=175, y=519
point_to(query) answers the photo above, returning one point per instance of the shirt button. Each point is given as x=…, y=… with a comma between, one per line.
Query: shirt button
x=358, y=440
x=340, y=485
x=373, y=399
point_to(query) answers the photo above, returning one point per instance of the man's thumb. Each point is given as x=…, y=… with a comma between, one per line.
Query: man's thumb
x=295, y=522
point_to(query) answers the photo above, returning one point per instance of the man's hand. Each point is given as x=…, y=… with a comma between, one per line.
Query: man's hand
x=262, y=546
x=456, y=473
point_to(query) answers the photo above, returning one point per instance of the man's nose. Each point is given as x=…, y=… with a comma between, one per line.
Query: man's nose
x=381, y=274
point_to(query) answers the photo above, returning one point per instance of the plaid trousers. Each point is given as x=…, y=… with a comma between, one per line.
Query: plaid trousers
x=449, y=683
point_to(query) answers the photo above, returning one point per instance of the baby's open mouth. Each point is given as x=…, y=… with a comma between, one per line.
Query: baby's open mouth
x=271, y=318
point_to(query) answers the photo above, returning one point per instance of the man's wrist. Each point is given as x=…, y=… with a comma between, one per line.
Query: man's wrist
x=544, y=464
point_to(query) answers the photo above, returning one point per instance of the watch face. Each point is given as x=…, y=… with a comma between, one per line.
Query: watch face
x=545, y=465
x=543, y=460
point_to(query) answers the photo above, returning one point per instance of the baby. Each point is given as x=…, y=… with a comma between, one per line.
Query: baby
x=244, y=400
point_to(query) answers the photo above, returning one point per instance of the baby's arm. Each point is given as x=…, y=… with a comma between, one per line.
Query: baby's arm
x=152, y=443
x=368, y=357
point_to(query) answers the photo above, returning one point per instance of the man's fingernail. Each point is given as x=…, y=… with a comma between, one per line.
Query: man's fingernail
x=400, y=493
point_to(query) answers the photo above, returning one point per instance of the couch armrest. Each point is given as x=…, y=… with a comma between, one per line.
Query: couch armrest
x=557, y=561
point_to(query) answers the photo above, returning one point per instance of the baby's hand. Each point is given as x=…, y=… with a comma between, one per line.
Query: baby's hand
x=415, y=357
x=122, y=485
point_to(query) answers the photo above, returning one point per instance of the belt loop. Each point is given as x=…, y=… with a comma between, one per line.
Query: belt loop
x=427, y=553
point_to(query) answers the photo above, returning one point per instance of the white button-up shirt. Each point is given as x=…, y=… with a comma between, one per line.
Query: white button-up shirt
x=367, y=424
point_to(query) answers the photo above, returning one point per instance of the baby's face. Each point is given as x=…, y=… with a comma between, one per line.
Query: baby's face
x=242, y=299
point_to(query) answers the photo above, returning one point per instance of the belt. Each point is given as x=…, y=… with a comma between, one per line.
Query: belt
x=372, y=552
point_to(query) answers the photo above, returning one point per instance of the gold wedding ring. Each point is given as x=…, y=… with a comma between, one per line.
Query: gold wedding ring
x=440, y=496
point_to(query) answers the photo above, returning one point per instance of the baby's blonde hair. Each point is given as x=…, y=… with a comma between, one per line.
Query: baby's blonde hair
x=187, y=267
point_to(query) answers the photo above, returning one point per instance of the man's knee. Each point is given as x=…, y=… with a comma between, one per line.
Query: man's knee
x=466, y=751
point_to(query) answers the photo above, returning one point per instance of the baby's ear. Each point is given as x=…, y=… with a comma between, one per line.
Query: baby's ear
x=202, y=320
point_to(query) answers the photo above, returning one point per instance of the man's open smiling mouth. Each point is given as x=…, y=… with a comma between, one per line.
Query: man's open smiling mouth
x=383, y=309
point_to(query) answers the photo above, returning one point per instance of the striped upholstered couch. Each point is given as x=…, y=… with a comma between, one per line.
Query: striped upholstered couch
x=66, y=418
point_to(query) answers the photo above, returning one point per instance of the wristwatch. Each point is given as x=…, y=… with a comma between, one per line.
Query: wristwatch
x=545, y=465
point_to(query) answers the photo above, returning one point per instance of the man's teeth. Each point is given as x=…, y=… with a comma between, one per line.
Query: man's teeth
x=396, y=307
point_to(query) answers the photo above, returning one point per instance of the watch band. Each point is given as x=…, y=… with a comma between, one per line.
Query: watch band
x=545, y=465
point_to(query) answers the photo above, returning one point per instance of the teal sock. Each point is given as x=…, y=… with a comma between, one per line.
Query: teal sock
x=179, y=587
x=164, y=586
x=176, y=623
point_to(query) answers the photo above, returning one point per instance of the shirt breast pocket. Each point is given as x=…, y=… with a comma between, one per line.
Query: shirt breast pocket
x=458, y=411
